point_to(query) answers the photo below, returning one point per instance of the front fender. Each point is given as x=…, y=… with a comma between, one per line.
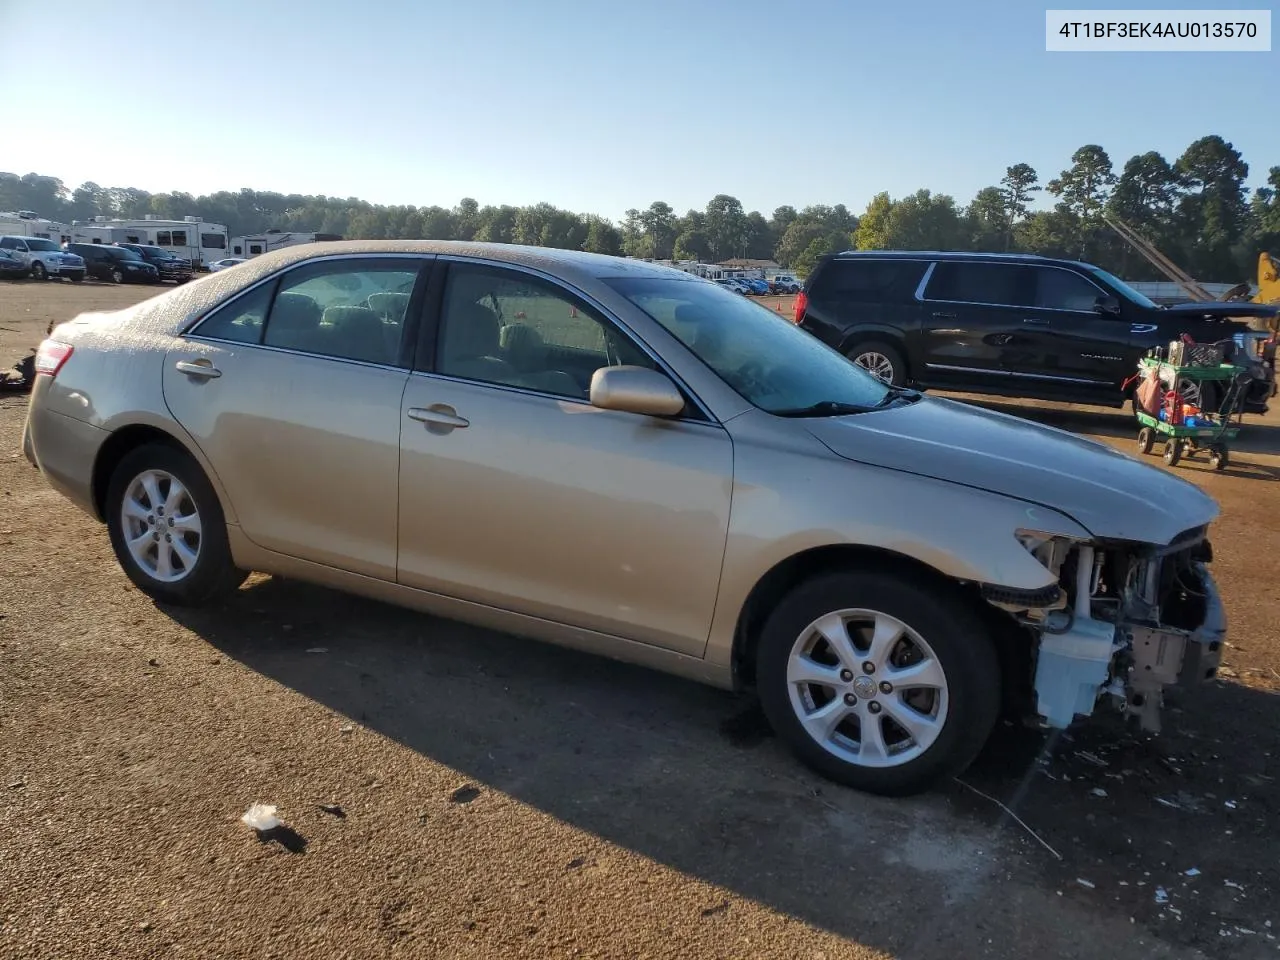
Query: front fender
x=787, y=502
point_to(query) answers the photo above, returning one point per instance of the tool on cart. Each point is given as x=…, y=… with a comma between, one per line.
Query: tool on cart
x=1190, y=424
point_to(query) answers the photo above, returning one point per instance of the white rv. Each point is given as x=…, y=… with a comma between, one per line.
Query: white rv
x=191, y=237
x=252, y=246
x=27, y=223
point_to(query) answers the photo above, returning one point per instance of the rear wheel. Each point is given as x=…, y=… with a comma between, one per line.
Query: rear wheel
x=117, y=275
x=877, y=682
x=881, y=360
x=38, y=271
x=167, y=528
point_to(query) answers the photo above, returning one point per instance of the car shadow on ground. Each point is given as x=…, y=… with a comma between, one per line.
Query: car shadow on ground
x=691, y=777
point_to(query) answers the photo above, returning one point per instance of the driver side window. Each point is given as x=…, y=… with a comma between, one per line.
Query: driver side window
x=509, y=328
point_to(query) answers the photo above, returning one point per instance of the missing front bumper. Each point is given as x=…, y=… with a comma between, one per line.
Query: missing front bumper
x=1163, y=656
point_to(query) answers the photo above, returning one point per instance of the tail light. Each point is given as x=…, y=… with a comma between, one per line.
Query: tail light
x=51, y=355
x=802, y=303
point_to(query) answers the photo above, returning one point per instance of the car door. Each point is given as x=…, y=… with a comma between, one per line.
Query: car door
x=517, y=493
x=292, y=391
x=973, y=328
x=1075, y=347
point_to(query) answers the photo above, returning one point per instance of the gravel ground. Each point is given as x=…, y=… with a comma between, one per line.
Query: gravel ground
x=501, y=798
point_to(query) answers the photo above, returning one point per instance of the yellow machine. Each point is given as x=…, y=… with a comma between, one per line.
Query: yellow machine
x=1268, y=279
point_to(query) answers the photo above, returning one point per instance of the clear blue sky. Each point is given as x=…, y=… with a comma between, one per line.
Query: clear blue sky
x=595, y=106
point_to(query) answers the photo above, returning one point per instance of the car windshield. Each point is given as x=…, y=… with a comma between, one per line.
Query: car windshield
x=772, y=363
x=1118, y=285
x=37, y=243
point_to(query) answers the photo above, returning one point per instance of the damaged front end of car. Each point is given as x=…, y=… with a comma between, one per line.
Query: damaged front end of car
x=1125, y=621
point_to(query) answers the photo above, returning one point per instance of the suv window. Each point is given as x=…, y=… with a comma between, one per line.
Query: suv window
x=352, y=310
x=1001, y=284
x=1058, y=289
x=867, y=281
x=505, y=327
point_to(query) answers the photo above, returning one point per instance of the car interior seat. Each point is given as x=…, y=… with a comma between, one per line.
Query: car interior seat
x=471, y=348
x=294, y=322
x=358, y=334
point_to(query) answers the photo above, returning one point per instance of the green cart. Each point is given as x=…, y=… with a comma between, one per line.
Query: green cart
x=1211, y=429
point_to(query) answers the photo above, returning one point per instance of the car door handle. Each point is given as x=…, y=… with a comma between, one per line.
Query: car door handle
x=198, y=368
x=1036, y=320
x=440, y=415
x=944, y=315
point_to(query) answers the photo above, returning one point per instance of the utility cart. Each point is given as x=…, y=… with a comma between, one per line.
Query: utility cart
x=1199, y=384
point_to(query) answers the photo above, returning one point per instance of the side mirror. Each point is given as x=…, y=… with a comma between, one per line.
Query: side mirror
x=1108, y=306
x=635, y=390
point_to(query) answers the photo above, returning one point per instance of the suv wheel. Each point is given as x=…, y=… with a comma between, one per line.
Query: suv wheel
x=878, y=683
x=167, y=528
x=117, y=275
x=880, y=360
x=38, y=271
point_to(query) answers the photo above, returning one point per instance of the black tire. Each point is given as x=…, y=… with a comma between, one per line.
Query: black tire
x=943, y=619
x=38, y=271
x=1219, y=457
x=77, y=278
x=1172, y=451
x=1146, y=440
x=213, y=573
x=116, y=275
x=890, y=353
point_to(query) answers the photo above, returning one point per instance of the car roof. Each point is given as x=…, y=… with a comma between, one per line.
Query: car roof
x=971, y=255
x=563, y=262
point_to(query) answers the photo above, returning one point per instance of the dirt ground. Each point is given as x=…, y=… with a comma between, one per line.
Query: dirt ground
x=501, y=798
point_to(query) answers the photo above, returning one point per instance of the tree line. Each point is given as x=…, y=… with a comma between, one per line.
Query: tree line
x=1196, y=209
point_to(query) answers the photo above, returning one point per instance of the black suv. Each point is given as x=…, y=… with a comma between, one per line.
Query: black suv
x=1013, y=325
x=169, y=264
x=115, y=264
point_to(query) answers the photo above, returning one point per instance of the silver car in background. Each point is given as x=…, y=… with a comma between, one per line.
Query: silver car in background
x=629, y=460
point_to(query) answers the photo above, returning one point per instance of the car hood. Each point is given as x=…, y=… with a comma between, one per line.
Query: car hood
x=1221, y=310
x=1112, y=495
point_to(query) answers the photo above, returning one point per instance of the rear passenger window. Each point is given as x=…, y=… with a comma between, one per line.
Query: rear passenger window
x=1000, y=284
x=354, y=310
x=868, y=281
x=242, y=320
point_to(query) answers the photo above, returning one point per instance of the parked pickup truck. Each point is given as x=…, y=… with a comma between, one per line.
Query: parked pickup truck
x=43, y=259
x=169, y=264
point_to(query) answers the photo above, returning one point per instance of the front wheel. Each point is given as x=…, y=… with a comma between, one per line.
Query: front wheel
x=38, y=271
x=117, y=276
x=167, y=528
x=877, y=682
x=1172, y=451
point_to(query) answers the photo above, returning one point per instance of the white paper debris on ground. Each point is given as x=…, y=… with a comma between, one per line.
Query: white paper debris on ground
x=346, y=728
x=261, y=816
x=1229, y=804
x=1085, y=883
x=1162, y=895
x=1193, y=872
x=1246, y=931
x=1232, y=884
x=1098, y=792
x=317, y=649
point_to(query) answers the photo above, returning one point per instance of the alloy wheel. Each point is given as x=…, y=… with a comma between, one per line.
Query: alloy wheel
x=161, y=525
x=867, y=688
x=877, y=364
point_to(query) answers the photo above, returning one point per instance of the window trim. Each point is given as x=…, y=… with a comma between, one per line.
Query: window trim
x=408, y=337
x=432, y=328
x=1006, y=306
